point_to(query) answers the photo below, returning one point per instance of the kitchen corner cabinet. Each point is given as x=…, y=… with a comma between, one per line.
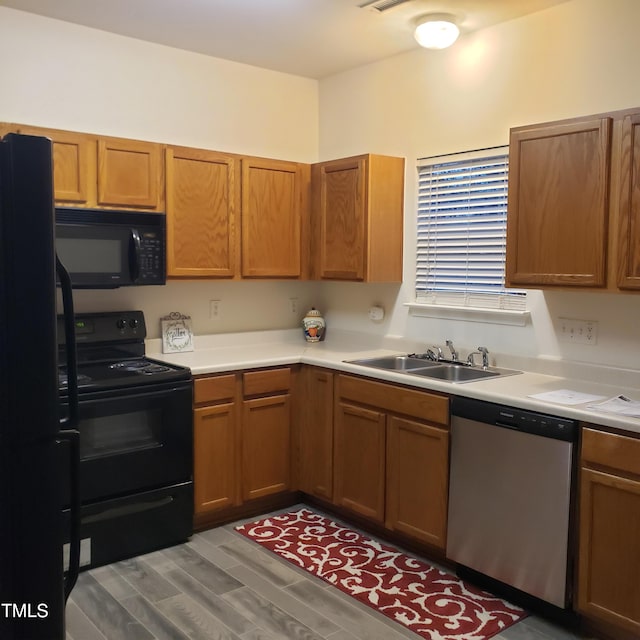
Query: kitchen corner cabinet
x=391, y=456
x=315, y=432
x=357, y=218
x=266, y=432
x=216, y=443
x=609, y=552
x=274, y=205
x=103, y=172
x=203, y=205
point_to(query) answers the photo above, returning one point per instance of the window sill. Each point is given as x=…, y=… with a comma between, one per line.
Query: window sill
x=470, y=314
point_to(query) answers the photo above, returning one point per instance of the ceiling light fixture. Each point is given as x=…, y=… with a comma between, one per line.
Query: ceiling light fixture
x=436, y=31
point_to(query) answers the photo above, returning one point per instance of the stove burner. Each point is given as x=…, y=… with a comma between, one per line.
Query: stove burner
x=63, y=379
x=140, y=366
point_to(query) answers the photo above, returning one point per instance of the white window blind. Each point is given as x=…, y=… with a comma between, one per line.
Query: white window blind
x=461, y=235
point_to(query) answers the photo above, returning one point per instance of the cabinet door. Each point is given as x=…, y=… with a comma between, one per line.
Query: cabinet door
x=359, y=460
x=215, y=459
x=74, y=165
x=339, y=212
x=203, y=199
x=271, y=218
x=316, y=433
x=417, y=480
x=129, y=173
x=266, y=458
x=558, y=204
x=629, y=229
x=609, y=569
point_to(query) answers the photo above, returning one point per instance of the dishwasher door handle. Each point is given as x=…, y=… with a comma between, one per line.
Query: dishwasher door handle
x=506, y=425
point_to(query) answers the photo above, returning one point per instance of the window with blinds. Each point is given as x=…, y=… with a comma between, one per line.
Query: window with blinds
x=462, y=225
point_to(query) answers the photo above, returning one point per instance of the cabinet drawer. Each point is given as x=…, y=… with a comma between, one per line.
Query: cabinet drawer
x=214, y=389
x=260, y=382
x=418, y=404
x=611, y=450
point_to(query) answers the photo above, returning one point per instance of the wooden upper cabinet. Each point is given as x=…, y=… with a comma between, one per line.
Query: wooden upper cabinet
x=628, y=276
x=357, y=218
x=273, y=206
x=129, y=174
x=558, y=208
x=74, y=164
x=203, y=201
x=101, y=172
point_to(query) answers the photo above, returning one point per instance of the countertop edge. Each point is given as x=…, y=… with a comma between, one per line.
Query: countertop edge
x=512, y=391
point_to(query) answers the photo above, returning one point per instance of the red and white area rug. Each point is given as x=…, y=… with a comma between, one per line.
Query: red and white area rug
x=434, y=604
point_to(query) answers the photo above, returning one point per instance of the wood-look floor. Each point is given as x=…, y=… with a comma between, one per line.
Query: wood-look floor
x=220, y=586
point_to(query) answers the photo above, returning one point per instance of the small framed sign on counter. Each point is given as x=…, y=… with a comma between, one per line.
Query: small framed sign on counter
x=177, y=334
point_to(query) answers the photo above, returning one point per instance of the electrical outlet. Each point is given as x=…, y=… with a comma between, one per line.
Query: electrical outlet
x=293, y=305
x=214, y=308
x=578, y=331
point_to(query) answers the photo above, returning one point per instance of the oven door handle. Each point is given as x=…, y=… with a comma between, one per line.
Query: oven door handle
x=72, y=436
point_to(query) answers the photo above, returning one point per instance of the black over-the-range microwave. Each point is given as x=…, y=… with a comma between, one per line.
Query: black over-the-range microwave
x=104, y=249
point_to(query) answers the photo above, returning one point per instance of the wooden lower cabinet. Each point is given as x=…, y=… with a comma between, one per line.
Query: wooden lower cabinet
x=215, y=468
x=609, y=557
x=391, y=456
x=315, y=432
x=242, y=438
x=417, y=480
x=266, y=437
x=215, y=444
x=360, y=436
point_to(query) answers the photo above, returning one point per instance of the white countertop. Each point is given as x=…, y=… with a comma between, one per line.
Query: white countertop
x=229, y=352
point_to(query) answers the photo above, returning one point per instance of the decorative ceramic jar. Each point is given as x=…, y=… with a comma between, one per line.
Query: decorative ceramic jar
x=314, y=325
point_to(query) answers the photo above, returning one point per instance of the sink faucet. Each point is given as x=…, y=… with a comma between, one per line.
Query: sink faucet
x=454, y=353
x=439, y=356
x=482, y=351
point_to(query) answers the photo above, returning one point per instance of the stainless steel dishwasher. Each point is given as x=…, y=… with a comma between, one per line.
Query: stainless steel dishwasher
x=510, y=497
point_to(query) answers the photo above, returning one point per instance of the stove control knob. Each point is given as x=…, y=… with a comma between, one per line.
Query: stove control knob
x=121, y=324
x=133, y=323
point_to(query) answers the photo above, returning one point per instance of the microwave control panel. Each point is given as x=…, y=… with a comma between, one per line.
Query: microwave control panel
x=151, y=258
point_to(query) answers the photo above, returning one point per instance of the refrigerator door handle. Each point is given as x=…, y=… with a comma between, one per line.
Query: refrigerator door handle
x=69, y=430
x=71, y=421
x=72, y=436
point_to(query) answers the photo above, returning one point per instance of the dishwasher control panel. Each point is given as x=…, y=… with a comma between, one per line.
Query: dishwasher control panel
x=519, y=419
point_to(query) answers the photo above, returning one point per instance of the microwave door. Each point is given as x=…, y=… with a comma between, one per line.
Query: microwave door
x=96, y=256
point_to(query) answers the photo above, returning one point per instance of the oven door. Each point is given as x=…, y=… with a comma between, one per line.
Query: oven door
x=134, y=439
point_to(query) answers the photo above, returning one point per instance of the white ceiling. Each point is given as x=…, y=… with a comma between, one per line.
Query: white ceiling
x=311, y=38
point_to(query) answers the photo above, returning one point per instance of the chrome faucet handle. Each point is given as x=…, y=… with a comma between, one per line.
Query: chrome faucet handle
x=440, y=355
x=470, y=360
x=485, y=357
x=454, y=353
x=430, y=354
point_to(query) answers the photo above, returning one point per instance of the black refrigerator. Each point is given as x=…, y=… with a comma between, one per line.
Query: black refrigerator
x=33, y=582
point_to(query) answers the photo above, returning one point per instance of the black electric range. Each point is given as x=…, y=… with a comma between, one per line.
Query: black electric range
x=111, y=354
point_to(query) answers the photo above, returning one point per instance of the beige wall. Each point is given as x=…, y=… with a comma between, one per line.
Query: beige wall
x=577, y=58
x=65, y=76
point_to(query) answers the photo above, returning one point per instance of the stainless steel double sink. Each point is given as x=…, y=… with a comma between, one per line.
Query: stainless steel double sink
x=456, y=372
